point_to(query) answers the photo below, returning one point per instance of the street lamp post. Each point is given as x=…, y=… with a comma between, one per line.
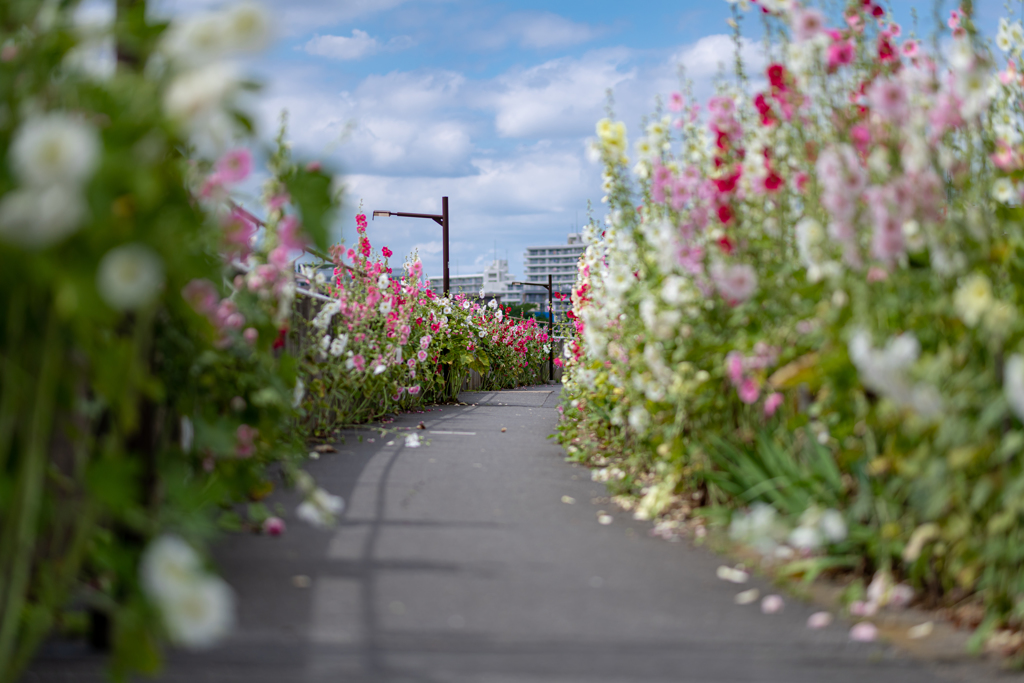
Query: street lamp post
x=441, y=219
x=551, y=322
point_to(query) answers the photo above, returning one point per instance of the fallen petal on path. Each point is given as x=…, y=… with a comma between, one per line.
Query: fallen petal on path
x=819, y=620
x=864, y=632
x=747, y=597
x=772, y=604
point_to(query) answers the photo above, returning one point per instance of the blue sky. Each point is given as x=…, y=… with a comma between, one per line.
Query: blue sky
x=490, y=103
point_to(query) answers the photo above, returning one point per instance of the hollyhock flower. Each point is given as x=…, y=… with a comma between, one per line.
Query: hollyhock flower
x=414, y=390
x=166, y=565
x=734, y=366
x=130, y=276
x=910, y=48
x=250, y=335
x=748, y=391
x=973, y=298
x=235, y=166
x=736, y=283
x=201, y=295
x=55, y=149
x=238, y=232
x=273, y=526
x=244, y=440
x=840, y=53
x=807, y=23
x=320, y=509
x=36, y=217
x=772, y=403
x=1013, y=384
x=386, y=252
x=289, y=232
x=675, y=102
x=888, y=98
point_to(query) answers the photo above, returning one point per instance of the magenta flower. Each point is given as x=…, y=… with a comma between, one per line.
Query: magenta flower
x=235, y=166
x=244, y=438
x=413, y=390
x=772, y=403
x=273, y=526
x=748, y=391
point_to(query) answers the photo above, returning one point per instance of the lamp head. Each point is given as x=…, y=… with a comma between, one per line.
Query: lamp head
x=381, y=213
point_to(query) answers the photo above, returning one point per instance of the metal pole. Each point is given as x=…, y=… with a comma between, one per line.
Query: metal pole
x=444, y=237
x=551, y=331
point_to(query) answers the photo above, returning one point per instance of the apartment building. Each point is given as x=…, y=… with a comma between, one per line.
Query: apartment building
x=558, y=260
x=494, y=281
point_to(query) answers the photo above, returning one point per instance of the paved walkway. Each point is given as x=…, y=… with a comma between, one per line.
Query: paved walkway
x=459, y=562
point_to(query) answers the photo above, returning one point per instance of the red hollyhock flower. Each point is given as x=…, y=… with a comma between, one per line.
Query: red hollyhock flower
x=281, y=336
x=886, y=51
x=726, y=245
x=773, y=181
x=727, y=184
x=724, y=213
x=776, y=76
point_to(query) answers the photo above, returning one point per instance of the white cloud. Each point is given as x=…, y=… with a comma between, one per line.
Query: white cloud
x=704, y=58
x=360, y=44
x=560, y=97
x=547, y=30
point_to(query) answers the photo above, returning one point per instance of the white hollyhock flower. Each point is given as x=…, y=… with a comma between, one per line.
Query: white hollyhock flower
x=55, y=149
x=385, y=307
x=1013, y=384
x=130, y=276
x=832, y=525
x=198, y=39
x=973, y=298
x=248, y=27
x=300, y=393
x=196, y=94
x=168, y=565
x=321, y=508
x=38, y=217
x=383, y=281
x=338, y=345
x=200, y=615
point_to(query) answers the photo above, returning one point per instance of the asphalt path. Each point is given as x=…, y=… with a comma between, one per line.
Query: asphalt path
x=478, y=557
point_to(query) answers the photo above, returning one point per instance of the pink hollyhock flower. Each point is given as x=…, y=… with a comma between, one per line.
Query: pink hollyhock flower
x=273, y=526
x=558, y=362
x=807, y=23
x=289, y=232
x=235, y=166
x=772, y=403
x=244, y=438
x=736, y=283
x=359, y=362
x=201, y=295
x=387, y=252
x=415, y=389
x=800, y=181
x=888, y=98
x=895, y=30
x=910, y=48
x=238, y=232
x=250, y=335
x=279, y=200
x=313, y=166
x=425, y=341
x=675, y=102
x=887, y=242
x=954, y=19
x=840, y=54
x=278, y=257
x=411, y=363
x=748, y=391
x=421, y=356
x=734, y=367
